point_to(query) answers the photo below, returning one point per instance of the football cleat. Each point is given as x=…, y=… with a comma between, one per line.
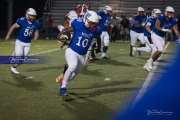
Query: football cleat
x=148, y=66
x=62, y=91
x=14, y=70
x=103, y=56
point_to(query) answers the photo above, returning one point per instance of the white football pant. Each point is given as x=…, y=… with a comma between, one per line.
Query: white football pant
x=158, y=42
x=104, y=38
x=135, y=36
x=75, y=63
x=21, y=48
x=148, y=48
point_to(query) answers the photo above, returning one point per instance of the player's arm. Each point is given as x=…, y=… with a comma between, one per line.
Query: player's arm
x=158, y=26
x=175, y=29
x=36, y=35
x=148, y=27
x=10, y=31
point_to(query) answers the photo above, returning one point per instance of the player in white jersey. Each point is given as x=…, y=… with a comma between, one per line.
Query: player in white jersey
x=28, y=28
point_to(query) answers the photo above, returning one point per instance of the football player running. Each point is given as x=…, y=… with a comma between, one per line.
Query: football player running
x=102, y=29
x=28, y=28
x=137, y=29
x=83, y=33
x=147, y=32
x=165, y=23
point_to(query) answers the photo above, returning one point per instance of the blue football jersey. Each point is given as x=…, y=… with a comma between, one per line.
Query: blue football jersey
x=139, y=21
x=164, y=23
x=82, y=37
x=103, y=22
x=150, y=22
x=27, y=29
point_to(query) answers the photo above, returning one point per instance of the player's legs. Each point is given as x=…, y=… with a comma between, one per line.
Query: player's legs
x=26, y=50
x=91, y=52
x=147, y=48
x=105, y=42
x=19, y=50
x=72, y=61
x=133, y=38
x=19, y=47
x=141, y=38
x=81, y=63
x=158, y=43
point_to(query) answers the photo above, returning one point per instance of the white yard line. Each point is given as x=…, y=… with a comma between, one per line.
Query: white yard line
x=148, y=79
x=44, y=52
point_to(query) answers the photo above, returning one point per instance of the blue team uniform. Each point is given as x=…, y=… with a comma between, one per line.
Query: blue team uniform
x=139, y=19
x=26, y=29
x=164, y=23
x=152, y=22
x=82, y=37
x=103, y=22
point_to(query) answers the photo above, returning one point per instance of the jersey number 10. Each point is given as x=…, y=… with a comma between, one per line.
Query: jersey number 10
x=82, y=42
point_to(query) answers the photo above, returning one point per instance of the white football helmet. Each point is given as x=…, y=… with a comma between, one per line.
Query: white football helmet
x=140, y=9
x=108, y=8
x=169, y=12
x=31, y=11
x=156, y=12
x=169, y=9
x=91, y=16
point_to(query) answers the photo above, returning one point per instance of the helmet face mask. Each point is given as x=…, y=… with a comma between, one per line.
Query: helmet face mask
x=90, y=24
x=109, y=13
x=169, y=12
x=156, y=13
x=140, y=11
x=31, y=17
x=31, y=14
x=108, y=10
x=91, y=19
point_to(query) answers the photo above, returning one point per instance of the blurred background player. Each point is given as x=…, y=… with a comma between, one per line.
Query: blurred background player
x=77, y=13
x=137, y=29
x=147, y=32
x=105, y=17
x=165, y=23
x=83, y=33
x=28, y=28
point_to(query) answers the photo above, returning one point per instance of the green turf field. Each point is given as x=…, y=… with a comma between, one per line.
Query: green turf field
x=92, y=95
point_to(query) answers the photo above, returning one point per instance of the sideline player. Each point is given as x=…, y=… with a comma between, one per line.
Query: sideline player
x=83, y=33
x=28, y=28
x=165, y=23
